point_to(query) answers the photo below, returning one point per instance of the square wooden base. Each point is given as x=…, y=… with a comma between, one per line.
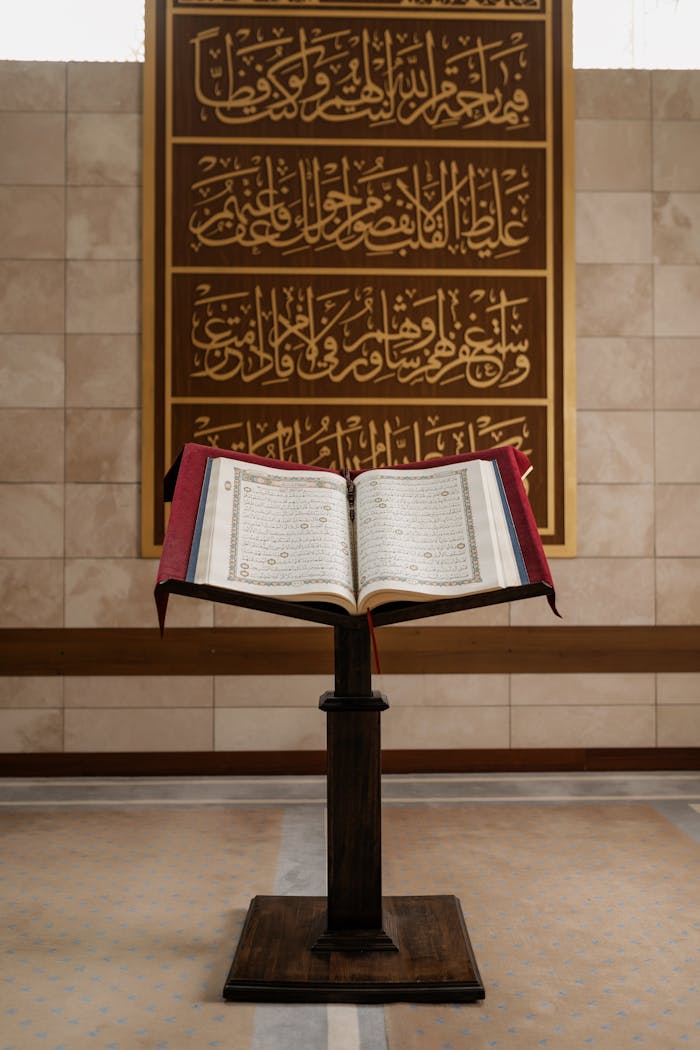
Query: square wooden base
x=434, y=962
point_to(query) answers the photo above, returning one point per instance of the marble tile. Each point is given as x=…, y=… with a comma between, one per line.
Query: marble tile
x=677, y=438
x=677, y=517
x=614, y=373
x=102, y=444
x=27, y=731
x=32, y=222
x=33, y=86
x=31, y=692
x=679, y=726
x=130, y=691
x=118, y=592
x=584, y=726
x=31, y=371
x=613, y=227
x=615, y=521
x=105, y=87
x=677, y=591
x=676, y=156
x=427, y=728
x=488, y=616
x=32, y=444
x=103, y=222
x=31, y=521
x=102, y=371
x=677, y=300
x=676, y=94
x=32, y=592
x=596, y=591
x=188, y=612
x=271, y=691
x=236, y=616
x=33, y=149
x=613, y=94
x=252, y=729
x=613, y=300
x=102, y=521
x=144, y=729
x=677, y=373
x=557, y=690
x=677, y=228
x=615, y=447
x=444, y=690
x=613, y=155
x=681, y=688
x=32, y=295
x=104, y=149
x=103, y=297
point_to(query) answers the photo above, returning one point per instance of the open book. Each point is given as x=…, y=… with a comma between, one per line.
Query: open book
x=387, y=535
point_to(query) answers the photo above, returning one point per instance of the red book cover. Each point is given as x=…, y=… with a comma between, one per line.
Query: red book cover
x=183, y=485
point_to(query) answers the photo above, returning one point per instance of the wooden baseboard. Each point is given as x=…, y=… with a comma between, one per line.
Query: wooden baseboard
x=293, y=763
x=309, y=650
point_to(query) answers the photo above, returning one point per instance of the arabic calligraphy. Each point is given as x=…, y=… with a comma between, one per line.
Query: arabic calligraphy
x=494, y=5
x=364, y=439
x=278, y=205
x=453, y=336
x=338, y=74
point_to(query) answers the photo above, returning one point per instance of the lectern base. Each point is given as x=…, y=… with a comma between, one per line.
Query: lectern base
x=434, y=962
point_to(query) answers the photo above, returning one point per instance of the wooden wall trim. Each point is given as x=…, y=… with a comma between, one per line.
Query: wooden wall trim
x=309, y=650
x=292, y=763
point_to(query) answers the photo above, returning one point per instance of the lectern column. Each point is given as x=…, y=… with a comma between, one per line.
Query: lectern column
x=354, y=798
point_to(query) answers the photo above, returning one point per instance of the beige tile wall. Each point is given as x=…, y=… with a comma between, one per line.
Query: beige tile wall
x=70, y=176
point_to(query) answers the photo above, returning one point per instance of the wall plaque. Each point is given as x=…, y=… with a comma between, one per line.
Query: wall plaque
x=357, y=236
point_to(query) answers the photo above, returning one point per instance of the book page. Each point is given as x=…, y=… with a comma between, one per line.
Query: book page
x=431, y=532
x=276, y=532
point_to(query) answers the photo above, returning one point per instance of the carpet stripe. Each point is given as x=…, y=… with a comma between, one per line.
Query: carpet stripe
x=343, y=1028
x=372, y=1026
x=301, y=869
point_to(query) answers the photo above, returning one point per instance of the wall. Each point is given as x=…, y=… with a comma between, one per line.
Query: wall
x=69, y=428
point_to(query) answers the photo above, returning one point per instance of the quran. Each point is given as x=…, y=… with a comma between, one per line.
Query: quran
x=412, y=533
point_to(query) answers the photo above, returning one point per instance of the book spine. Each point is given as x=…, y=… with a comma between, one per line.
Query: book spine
x=194, y=550
x=517, y=550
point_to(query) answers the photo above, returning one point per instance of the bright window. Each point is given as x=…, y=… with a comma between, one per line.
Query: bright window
x=637, y=34
x=642, y=34
x=72, y=30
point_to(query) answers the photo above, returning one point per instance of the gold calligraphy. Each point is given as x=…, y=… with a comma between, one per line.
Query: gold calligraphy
x=458, y=337
x=340, y=74
x=358, y=232
x=454, y=5
x=362, y=441
x=278, y=204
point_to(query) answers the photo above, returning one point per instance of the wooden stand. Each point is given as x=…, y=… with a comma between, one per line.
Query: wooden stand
x=355, y=945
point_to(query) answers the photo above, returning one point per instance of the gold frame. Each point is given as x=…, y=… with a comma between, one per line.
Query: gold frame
x=149, y=277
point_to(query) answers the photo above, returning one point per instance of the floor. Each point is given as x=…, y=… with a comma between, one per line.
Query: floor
x=122, y=900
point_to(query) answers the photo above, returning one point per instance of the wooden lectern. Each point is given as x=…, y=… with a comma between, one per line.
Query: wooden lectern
x=355, y=945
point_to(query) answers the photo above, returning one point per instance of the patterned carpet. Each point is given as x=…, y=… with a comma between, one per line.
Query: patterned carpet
x=119, y=925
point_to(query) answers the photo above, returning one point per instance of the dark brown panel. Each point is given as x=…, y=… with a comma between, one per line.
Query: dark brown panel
x=352, y=79
x=309, y=650
x=324, y=207
x=363, y=437
x=357, y=207
x=437, y=5
x=291, y=763
x=249, y=335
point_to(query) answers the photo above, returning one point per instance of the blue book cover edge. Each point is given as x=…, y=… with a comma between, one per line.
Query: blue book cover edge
x=519, y=560
x=194, y=549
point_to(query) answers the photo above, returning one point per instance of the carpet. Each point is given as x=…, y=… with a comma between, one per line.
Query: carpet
x=118, y=928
